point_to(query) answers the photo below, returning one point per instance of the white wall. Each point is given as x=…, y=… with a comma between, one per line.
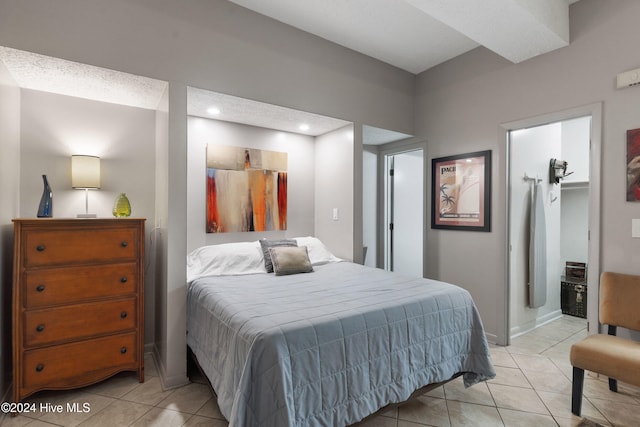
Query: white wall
x=461, y=104
x=530, y=150
x=300, y=174
x=53, y=127
x=334, y=182
x=9, y=208
x=575, y=225
x=370, y=204
x=576, y=137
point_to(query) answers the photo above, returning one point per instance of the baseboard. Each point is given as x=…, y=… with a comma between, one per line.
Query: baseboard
x=168, y=382
x=491, y=338
x=536, y=323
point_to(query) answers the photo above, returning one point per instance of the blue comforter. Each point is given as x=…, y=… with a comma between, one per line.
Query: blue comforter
x=329, y=347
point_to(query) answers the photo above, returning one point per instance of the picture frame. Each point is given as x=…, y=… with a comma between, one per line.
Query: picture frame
x=461, y=192
x=633, y=165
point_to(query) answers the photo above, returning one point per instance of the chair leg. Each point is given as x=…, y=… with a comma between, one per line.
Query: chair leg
x=613, y=384
x=576, y=392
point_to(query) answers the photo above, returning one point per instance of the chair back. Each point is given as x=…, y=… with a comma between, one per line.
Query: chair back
x=620, y=300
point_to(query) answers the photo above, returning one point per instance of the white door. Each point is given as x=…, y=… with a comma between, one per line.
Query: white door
x=405, y=213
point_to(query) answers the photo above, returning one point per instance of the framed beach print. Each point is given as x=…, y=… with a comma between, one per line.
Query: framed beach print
x=461, y=192
x=633, y=165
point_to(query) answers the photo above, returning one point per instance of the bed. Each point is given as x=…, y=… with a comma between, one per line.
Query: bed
x=324, y=347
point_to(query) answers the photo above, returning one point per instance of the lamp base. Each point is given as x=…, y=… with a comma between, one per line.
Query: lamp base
x=86, y=215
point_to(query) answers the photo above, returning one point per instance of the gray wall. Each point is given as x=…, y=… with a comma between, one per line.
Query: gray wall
x=53, y=127
x=334, y=176
x=9, y=208
x=461, y=104
x=215, y=45
x=159, y=234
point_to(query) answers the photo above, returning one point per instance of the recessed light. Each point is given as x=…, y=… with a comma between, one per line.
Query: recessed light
x=214, y=111
x=303, y=127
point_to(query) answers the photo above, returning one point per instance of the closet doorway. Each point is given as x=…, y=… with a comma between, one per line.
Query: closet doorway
x=570, y=206
x=404, y=212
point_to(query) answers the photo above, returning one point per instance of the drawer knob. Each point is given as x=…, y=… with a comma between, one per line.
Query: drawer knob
x=123, y=315
x=40, y=248
x=40, y=288
x=39, y=367
x=40, y=328
x=123, y=279
x=123, y=350
x=124, y=244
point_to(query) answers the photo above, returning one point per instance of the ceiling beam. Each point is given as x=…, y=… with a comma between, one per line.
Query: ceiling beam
x=514, y=29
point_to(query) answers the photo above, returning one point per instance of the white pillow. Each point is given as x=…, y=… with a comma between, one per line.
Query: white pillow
x=318, y=252
x=225, y=259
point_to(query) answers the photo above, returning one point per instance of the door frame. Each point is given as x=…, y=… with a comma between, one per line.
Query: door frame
x=391, y=149
x=594, y=259
x=389, y=209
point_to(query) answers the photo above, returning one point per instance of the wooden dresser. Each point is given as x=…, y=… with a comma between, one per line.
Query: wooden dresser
x=77, y=302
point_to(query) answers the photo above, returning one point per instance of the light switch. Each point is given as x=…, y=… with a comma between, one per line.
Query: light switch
x=334, y=214
x=635, y=228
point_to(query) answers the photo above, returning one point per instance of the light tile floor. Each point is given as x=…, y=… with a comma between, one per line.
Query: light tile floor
x=532, y=388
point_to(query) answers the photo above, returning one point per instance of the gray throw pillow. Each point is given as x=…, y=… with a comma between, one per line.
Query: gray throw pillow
x=266, y=244
x=290, y=260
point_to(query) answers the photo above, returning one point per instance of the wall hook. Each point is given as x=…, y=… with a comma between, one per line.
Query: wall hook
x=530, y=178
x=557, y=171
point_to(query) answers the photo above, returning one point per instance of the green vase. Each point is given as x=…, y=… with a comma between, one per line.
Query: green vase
x=122, y=207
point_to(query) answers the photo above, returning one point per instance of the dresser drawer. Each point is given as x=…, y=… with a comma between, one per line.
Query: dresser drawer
x=48, y=287
x=77, y=302
x=78, y=321
x=77, y=246
x=73, y=364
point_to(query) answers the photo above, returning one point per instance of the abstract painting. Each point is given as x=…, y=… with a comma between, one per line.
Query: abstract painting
x=246, y=189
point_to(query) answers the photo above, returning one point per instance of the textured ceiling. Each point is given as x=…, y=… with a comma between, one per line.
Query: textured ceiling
x=254, y=113
x=47, y=74
x=376, y=136
x=54, y=75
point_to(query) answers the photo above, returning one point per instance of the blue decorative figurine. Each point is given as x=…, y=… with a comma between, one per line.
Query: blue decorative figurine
x=45, y=210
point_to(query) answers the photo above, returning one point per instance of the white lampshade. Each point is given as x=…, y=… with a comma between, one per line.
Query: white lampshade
x=85, y=172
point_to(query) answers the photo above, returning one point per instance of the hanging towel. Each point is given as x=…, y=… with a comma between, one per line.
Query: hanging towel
x=537, y=250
